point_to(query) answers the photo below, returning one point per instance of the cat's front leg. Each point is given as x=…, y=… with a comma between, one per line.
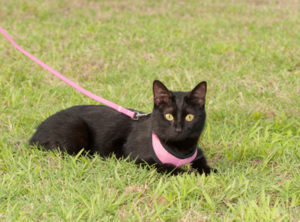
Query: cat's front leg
x=200, y=164
x=161, y=168
x=171, y=169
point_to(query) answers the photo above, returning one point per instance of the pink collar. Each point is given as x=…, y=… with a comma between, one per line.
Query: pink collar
x=167, y=158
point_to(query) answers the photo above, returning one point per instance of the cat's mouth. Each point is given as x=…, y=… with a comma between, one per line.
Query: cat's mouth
x=176, y=137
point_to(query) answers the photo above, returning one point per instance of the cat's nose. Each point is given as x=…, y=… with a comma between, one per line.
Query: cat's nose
x=178, y=129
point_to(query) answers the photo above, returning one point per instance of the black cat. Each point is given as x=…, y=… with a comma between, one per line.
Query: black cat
x=170, y=133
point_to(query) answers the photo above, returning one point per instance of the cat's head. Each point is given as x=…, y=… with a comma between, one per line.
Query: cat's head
x=177, y=116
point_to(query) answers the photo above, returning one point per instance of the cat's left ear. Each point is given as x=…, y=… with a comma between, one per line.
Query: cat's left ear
x=197, y=95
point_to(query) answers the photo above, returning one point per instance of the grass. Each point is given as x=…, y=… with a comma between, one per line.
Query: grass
x=248, y=52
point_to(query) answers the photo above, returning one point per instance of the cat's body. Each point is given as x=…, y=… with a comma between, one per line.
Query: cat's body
x=102, y=130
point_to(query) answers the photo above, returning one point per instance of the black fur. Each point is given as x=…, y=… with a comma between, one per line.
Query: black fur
x=102, y=130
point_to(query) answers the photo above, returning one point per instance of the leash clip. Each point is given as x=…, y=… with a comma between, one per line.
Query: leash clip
x=138, y=115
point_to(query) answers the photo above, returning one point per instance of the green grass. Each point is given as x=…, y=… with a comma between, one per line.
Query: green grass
x=248, y=52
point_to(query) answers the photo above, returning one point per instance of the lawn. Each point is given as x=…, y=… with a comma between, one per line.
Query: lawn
x=249, y=53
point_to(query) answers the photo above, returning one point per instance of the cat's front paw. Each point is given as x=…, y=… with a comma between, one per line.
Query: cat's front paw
x=207, y=170
x=213, y=170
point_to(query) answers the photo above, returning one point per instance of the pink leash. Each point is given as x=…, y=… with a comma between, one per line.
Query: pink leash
x=121, y=109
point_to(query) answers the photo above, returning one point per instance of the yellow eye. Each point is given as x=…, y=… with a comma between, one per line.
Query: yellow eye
x=189, y=117
x=169, y=117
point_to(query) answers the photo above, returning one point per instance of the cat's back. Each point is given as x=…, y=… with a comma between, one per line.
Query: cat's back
x=95, y=116
x=96, y=113
x=102, y=119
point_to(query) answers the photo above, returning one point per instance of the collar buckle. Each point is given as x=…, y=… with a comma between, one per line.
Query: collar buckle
x=138, y=115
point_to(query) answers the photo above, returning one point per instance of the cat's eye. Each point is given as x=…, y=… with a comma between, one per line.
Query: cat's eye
x=169, y=117
x=189, y=117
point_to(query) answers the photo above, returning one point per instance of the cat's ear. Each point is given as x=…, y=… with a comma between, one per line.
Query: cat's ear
x=160, y=93
x=197, y=95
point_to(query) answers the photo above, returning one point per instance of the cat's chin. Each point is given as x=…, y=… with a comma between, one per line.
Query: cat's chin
x=174, y=138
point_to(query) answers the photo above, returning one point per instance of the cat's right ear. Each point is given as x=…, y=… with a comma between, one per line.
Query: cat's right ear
x=197, y=95
x=160, y=93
